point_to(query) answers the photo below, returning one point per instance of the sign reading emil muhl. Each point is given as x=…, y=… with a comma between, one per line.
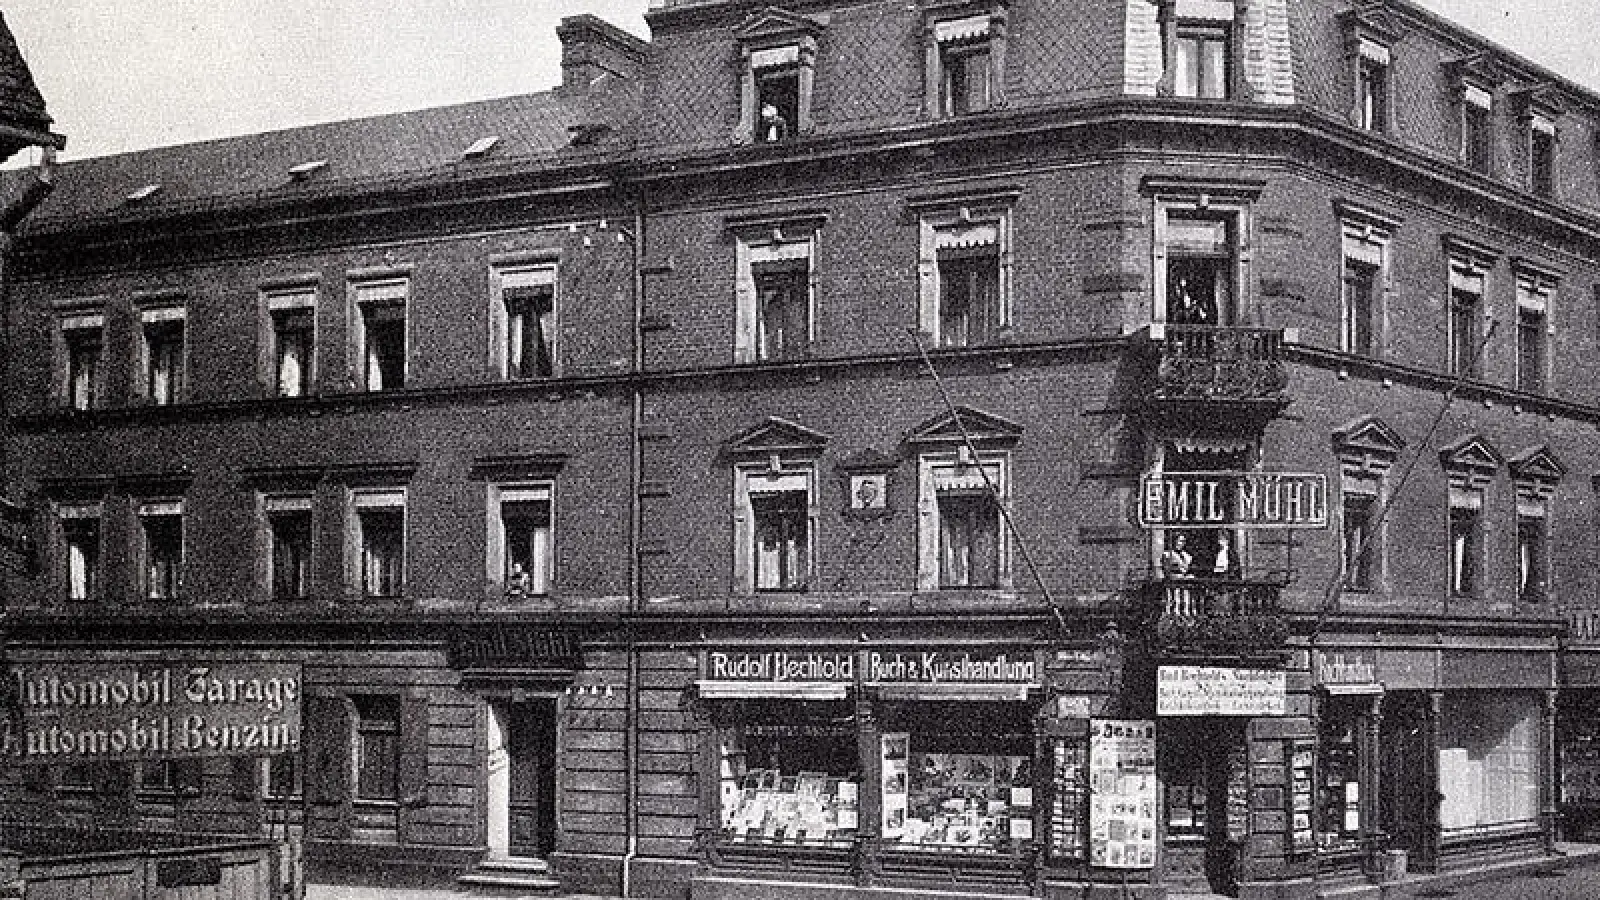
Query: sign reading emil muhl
x=74, y=712
x=1233, y=500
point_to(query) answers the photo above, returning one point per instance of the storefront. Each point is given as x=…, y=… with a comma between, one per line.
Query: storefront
x=852, y=769
x=1578, y=731
x=1439, y=754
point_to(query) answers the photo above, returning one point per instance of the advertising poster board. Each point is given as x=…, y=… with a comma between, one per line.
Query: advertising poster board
x=1219, y=691
x=1122, y=793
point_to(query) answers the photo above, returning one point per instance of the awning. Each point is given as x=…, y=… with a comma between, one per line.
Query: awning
x=786, y=55
x=978, y=234
x=961, y=29
x=772, y=690
x=979, y=692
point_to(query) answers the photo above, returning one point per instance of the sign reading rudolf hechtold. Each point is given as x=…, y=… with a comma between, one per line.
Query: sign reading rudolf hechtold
x=72, y=712
x=890, y=666
x=1233, y=500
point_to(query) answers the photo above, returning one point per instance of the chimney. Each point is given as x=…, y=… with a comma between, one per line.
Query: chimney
x=592, y=49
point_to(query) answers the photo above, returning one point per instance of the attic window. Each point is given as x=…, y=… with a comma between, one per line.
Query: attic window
x=481, y=147
x=307, y=169
x=144, y=193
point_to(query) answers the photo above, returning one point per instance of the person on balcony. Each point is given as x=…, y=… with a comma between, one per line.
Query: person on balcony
x=1176, y=565
x=1183, y=308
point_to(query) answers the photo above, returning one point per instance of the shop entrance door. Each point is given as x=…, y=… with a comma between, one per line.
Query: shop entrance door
x=1204, y=772
x=521, y=778
x=1405, y=806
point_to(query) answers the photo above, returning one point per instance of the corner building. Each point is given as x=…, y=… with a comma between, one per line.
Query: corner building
x=792, y=457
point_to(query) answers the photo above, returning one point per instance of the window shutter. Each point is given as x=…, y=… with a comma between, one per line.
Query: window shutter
x=413, y=751
x=327, y=750
x=242, y=774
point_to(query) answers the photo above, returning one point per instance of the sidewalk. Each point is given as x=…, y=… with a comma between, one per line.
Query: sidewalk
x=347, y=892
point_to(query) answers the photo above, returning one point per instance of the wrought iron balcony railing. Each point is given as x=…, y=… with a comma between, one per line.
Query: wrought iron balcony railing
x=1219, y=362
x=1213, y=616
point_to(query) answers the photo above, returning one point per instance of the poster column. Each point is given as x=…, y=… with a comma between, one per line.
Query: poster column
x=1122, y=793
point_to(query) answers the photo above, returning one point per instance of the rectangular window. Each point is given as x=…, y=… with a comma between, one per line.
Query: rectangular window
x=1535, y=290
x=525, y=540
x=774, y=292
x=289, y=522
x=291, y=341
x=377, y=750
x=777, y=94
x=963, y=55
x=80, y=542
x=1489, y=753
x=1373, y=92
x=966, y=67
x=524, y=323
x=957, y=777
x=1542, y=158
x=1360, y=541
x=783, y=310
x=1466, y=542
x=380, y=334
x=790, y=773
x=1532, y=555
x=969, y=295
x=1200, y=268
x=782, y=539
x=380, y=542
x=1362, y=283
x=284, y=777
x=962, y=538
x=162, y=332
x=1466, y=316
x=1476, y=129
x=1201, y=69
x=775, y=527
x=161, y=533
x=83, y=347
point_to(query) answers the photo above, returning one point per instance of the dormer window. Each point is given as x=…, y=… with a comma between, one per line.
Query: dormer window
x=965, y=62
x=1538, y=110
x=1477, y=107
x=1372, y=88
x=1371, y=32
x=777, y=62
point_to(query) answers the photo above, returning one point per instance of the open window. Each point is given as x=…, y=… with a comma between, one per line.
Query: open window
x=777, y=68
x=378, y=540
x=1201, y=247
x=522, y=554
x=1469, y=269
x=1536, y=291
x=79, y=526
x=1536, y=473
x=775, y=502
x=289, y=534
x=1470, y=466
x=1367, y=449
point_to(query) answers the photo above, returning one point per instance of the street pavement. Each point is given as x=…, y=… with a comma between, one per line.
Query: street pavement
x=343, y=892
x=1581, y=883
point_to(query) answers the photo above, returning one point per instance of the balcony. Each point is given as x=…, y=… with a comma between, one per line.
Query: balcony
x=1211, y=617
x=1207, y=369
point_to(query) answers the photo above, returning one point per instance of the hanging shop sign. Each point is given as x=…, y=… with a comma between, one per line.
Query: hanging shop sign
x=1122, y=793
x=1233, y=500
x=93, y=711
x=1353, y=671
x=1219, y=691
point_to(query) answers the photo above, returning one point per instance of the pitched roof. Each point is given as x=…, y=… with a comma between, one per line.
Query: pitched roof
x=20, y=101
x=532, y=129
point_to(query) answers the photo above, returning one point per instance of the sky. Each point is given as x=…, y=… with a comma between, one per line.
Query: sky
x=122, y=75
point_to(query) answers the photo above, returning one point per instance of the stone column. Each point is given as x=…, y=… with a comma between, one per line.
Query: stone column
x=1549, y=811
x=1370, y=775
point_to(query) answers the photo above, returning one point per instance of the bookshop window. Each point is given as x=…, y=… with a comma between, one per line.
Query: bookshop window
x=791, y=773
x=1201, y=761
x=1338, y=810
x=1488, y=760
x=957, y=776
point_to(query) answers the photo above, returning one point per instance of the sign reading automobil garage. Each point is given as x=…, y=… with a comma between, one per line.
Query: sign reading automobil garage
x=72, y=712
x=1233, y=500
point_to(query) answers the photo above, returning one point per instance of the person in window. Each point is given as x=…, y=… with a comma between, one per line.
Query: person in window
x=516, y=582
x=1185, y=309
x=1223, y=565
x=1176, y=561
x=773, y=126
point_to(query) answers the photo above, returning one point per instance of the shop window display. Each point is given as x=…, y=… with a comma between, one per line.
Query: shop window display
x=1338, y=809
x=1488, y=760
x=959, y=780
x=790, y=774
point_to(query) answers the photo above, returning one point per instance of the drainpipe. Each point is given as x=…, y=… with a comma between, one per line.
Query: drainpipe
x=635, y=568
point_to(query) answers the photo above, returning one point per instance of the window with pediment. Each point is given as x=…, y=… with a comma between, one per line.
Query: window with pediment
x=963, y=500
x=964, y=62
x=777, y=71
x=1474, y=80
x=964, y=268
x=1535, y=473
x=1367, y=449
x=775, y=503
x=1470, y=465
x=1371, y=32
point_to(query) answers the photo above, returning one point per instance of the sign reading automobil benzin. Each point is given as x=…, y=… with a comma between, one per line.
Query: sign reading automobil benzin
x=72, y=712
